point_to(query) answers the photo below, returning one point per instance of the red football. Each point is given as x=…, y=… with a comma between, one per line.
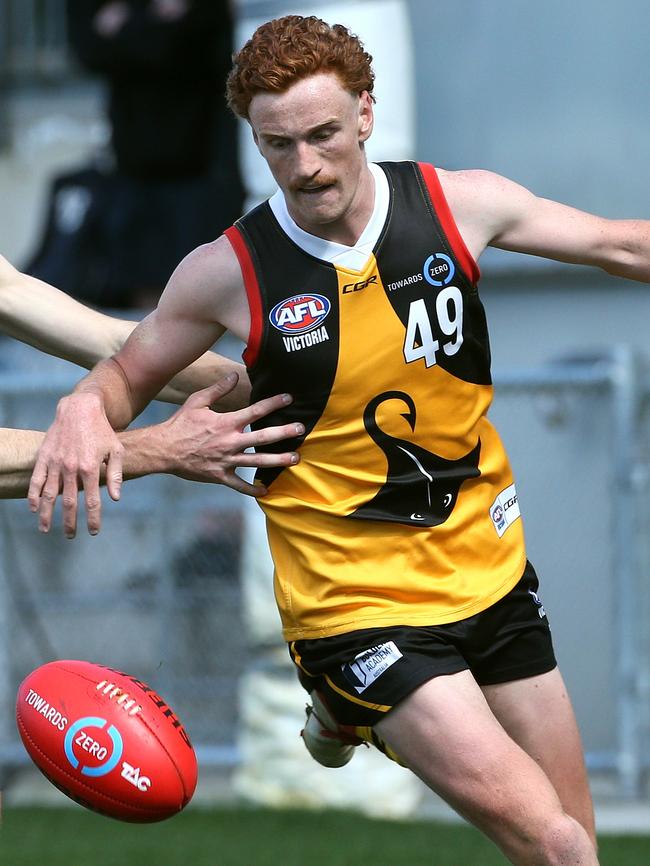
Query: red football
x=106, y=740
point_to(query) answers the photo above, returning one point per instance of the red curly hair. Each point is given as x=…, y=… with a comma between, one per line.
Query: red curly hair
x=287, y=49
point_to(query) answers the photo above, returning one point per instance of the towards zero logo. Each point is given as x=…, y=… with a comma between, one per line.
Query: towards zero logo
x=101, y=753
x=299, y=313
x=438, y=270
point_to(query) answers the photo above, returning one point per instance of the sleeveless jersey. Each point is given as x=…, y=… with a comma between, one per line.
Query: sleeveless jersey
x=402, y=509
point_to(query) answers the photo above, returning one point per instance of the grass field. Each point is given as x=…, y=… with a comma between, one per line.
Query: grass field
x=248, y=837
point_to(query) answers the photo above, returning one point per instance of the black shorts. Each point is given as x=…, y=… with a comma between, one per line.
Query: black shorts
x=363, y=674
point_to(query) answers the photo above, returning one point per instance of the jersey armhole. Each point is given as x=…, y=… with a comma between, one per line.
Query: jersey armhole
x=441, y=205
x=237, y=242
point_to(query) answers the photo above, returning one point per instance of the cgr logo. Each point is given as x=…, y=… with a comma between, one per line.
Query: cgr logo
x=77, y=736
x=356, y=287
x=300, y=313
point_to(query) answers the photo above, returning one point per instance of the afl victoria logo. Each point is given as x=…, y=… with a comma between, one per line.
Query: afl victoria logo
x=299, y=313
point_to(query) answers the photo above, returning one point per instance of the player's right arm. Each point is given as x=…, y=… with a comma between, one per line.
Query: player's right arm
x=202, y=297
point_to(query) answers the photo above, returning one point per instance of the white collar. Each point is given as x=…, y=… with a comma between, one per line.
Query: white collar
x=352, y=258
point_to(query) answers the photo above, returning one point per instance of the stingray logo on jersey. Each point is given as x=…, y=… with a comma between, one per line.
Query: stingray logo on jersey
x=301, y=318
x=438, y=270
x=100, y=750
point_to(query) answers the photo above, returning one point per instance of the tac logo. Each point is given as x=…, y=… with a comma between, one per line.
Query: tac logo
x=80, y=745
x=300, y=313
x=438, y=270
x=133, y=777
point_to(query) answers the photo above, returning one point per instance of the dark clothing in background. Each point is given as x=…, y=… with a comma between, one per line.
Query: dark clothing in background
x=166, y=83
x=114, y=235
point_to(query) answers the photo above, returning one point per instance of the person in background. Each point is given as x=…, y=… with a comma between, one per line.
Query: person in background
x=176, y=180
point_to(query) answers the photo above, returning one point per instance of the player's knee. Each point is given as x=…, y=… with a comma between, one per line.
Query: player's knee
x=563, y=840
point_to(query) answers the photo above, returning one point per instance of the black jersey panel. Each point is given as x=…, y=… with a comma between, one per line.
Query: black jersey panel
x=440, y=308
x=300, y=334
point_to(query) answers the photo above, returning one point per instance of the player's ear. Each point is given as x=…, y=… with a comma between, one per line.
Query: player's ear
x=366, y=116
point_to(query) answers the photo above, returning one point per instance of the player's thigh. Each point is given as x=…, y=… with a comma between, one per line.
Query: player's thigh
x=447, y=734
x=538, y=715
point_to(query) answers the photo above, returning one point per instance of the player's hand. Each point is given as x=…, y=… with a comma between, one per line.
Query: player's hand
x=203, y=445
x=77, y=446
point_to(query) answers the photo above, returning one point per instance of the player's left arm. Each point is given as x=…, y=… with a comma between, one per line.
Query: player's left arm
x=36, y=313
x=510, y=217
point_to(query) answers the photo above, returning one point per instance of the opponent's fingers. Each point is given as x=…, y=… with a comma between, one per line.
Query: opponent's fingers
x=233, y=481
x=69, y=501
x=213, y=393
x=36, y=484
x=93, y=500
x=264, y=460
x=47, y=499
x=267, y=435
x=262, y=408
x=114, y=474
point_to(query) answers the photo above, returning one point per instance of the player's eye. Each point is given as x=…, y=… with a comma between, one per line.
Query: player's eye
x=323, y=134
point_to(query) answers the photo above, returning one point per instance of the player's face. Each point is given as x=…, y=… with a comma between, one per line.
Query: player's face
x=312, y=138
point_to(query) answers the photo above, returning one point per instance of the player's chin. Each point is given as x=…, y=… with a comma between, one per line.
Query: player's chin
x=326, y=200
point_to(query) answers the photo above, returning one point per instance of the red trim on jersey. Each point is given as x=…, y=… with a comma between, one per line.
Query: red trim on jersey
x=465, y=258
x=252, y=287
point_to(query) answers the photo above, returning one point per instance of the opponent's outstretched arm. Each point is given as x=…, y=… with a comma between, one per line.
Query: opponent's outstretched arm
x=44, y=317
x=195, y=443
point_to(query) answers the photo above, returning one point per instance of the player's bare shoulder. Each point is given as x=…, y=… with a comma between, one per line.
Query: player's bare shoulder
x=472, y=190
x=482, y=202
x=210, y=267
x=209, y=281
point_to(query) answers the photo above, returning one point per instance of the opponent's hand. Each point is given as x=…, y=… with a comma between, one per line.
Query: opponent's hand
x=208, y=446
x=77, y=446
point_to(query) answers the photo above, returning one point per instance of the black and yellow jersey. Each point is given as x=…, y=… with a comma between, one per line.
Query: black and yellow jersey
x=402, y=510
